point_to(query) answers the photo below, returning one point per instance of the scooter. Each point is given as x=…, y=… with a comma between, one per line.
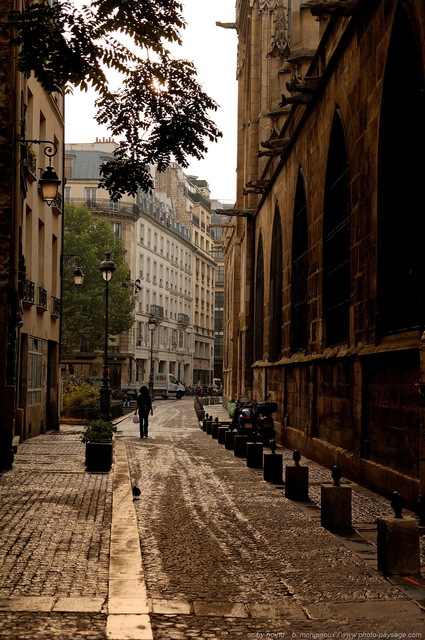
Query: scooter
x=246, y=420
x=265, y=423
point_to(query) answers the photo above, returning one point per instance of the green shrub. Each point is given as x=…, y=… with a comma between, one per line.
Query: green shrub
x=98, y=431
x=79, y=391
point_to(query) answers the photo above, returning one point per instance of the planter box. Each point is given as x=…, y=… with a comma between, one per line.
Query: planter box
x=99, y=456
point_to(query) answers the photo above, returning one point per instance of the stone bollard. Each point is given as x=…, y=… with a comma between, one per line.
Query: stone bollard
x=254, y=455
x=240, y=446
x=398, y=543
x=204, y=422
x=229, y=440
x=335, y=502
x=273, y=468
x=222, y=434
x=215, y=428
x=296, y=480
x=209, y=426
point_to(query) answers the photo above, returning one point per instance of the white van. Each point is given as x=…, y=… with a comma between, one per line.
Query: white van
x=218, y=387
x=165, y=384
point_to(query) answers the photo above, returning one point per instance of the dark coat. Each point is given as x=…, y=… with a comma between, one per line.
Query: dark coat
x=144, y=403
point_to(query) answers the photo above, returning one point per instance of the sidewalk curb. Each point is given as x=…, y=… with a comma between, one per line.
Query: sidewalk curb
x=128, y=609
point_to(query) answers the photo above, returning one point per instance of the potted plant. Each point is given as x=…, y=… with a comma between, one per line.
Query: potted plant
x=98, y=438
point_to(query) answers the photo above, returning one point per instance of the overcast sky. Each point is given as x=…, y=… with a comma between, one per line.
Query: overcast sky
x=213, y=50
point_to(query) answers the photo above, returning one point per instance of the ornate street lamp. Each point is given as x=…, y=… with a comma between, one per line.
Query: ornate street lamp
x=78, y=276
x=152, y=324
x=69, y=259
x=107, y=268
x=49, y=182
x=49, y=185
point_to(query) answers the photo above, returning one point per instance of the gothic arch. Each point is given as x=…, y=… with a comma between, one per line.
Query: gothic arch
x=336, y=238
x=275, y=306
x=299, y=278
x=401, y=193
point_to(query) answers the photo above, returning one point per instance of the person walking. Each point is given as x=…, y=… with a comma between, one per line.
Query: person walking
x=144, y=404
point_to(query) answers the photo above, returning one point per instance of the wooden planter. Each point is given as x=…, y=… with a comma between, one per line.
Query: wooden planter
x=99, y=456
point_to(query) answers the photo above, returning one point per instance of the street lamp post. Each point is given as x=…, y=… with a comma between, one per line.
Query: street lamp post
x=78, y=274
x=49, y=182
x=152, y=324
x=107, y=268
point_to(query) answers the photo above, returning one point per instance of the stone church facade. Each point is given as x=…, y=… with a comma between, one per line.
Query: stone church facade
x=324, y=260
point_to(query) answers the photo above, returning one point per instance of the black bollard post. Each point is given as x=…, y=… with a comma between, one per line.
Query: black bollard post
x=215, y=428
x=273, y=468
x=229, y=440
x=254, y=455
x=222, y=434
x=398, y=542
x=204, y=422
x=240, y=446
x=335, y=512
x=209, y=426
x=296, y=480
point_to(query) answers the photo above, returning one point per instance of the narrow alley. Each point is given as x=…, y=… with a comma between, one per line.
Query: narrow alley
x=223, y=553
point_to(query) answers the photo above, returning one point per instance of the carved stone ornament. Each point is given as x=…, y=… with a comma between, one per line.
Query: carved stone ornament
x=298, y=98
x=280, y=39
x=343, y=8
x=240, y=61
x=265, y=6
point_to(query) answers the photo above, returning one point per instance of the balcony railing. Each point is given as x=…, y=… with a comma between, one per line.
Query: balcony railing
x=182, y=318
x=56, y=307
x=157, y=310
x=41, y=299
x=104, y=205
x=57, y=203
x=29, y=292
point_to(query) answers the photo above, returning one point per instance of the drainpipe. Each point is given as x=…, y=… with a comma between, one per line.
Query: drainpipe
x=12, y=323
x=421, y=389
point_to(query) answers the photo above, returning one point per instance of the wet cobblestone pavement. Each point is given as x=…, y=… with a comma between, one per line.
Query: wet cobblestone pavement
x=224, y=554
x=212, y=531
x=43, y=626
x=55, y=522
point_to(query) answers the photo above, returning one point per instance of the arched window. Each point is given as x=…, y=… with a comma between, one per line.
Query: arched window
x=336, y=238
x=299, y=268
x=259, y=303
x=276, y=265
x=401, y=180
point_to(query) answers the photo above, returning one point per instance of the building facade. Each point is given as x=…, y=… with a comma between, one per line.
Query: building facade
x=190, y=201
x=219, y=222
x=31, y=138
x=324, y=295
x=160, y=259
x=164, y=266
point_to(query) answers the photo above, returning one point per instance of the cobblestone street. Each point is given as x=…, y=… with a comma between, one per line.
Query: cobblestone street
x=216, y=537
x=223, y=553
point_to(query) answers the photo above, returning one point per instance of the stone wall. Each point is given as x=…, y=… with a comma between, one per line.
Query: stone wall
x=352, y=403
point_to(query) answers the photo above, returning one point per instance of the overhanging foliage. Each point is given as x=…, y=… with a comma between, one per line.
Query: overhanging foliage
x=160, y=111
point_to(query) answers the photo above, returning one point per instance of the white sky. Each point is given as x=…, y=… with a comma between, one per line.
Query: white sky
x=213, y=50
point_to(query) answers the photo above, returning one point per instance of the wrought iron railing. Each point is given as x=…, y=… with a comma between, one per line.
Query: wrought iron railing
x=42, y=299
x=29, y=292
x=56, y=307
